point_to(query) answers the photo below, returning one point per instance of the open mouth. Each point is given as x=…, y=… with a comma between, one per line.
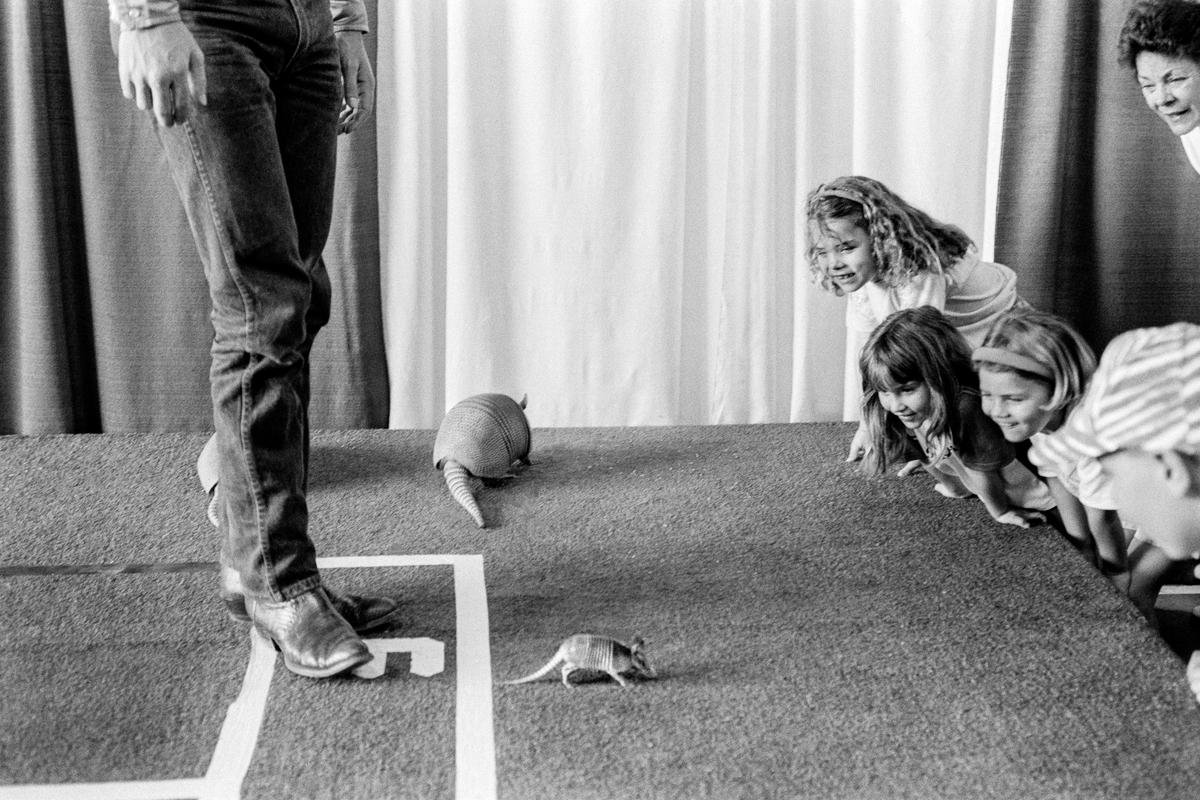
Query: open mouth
x=1177, y=116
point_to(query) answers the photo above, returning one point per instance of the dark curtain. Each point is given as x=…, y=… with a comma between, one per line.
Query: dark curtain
x=105, y=308
x=1098, y=208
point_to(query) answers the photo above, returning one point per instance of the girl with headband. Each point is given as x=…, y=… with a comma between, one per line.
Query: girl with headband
x=1033, y=369
x=921, y=406
x=866, y=242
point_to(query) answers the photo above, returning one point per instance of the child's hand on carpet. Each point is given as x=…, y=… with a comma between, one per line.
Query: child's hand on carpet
x=909, y=468
x=1021, y=517
x=860, y=443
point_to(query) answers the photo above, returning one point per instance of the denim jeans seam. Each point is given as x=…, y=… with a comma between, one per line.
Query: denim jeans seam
x=248, y=316
x=302, y=34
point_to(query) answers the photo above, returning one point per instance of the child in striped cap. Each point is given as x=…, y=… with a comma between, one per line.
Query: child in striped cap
x=1140, y=417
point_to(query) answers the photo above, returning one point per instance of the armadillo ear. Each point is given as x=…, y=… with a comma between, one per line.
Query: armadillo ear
x=524, y=400
x=638, y=643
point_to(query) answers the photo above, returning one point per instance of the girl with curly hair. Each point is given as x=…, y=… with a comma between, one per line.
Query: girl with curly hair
x=921, y=406
x=867, y=242
x=1160, y=43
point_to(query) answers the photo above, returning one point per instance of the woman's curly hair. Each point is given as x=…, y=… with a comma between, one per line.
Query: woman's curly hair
x=1168, y=27
x=905, y=241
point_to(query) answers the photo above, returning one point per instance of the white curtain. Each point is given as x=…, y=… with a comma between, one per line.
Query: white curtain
x=599, y=203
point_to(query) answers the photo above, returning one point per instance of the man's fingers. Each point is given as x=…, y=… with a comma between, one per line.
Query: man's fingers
x=162, y=69
x=164, y=106
x=182, y=104
x=141, y=96
x=366, y=97
x=197, y=77
x=126, y=82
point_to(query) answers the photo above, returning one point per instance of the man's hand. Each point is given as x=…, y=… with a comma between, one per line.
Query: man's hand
x=162, y=69
x=358, y=82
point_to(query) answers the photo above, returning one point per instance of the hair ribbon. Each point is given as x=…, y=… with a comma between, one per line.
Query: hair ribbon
x=1007, y=358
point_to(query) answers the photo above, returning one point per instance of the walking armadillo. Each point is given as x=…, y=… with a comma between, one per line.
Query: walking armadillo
x=587, y=651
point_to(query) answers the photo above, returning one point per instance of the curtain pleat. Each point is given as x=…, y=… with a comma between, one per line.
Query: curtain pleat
x=1097, y=206
x=47, y=370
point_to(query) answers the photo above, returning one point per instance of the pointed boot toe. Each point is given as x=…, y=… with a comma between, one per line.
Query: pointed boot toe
x=314, y=640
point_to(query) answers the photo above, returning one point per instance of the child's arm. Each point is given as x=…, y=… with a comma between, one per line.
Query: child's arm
x=990, y=488
x=1109, y=534
x=1097, y=532
x=1075, y=519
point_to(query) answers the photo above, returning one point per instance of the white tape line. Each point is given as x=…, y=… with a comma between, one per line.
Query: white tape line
x=1187, y=588
x=475, y=755
x=130, y=790
x=230, y=761
x=475, y=750
x=344, y=562
x=239, y=735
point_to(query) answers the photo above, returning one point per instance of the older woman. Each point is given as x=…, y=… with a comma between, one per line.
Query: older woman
x=1160, y=42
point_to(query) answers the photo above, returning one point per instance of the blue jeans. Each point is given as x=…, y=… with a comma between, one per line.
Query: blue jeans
x=255, y=169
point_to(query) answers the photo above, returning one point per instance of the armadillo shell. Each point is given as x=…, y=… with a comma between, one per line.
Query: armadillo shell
x=485, y=433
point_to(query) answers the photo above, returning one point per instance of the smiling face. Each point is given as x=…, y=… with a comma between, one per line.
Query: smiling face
x=909, y=402
x=843, y=252
x=1016, y=403
x=1171, y=87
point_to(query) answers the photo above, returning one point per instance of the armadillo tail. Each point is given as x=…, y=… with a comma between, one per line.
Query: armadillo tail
x=534, y=676
x=459, y=482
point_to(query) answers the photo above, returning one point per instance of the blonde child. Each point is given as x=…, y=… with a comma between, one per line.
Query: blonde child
x=1140, y=419
x=1033, y=368
x=921, y=399
x=867, y=242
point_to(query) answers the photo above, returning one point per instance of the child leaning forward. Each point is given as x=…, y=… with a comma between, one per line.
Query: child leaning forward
x=869, y=244
x=921, y=398
x=1140, y=419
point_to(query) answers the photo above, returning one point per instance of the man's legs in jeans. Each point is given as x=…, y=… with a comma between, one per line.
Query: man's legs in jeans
x=255, y=169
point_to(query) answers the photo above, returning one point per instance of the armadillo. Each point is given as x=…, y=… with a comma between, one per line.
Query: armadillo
x=481, y=436
x=587, y=651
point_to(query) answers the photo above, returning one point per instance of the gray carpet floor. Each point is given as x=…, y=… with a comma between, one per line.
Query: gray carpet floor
x=817, y=634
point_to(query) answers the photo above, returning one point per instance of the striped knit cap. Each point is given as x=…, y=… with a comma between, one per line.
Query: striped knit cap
x=1145, y=395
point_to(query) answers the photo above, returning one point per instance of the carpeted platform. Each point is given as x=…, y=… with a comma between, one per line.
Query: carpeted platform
x=817, y=634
